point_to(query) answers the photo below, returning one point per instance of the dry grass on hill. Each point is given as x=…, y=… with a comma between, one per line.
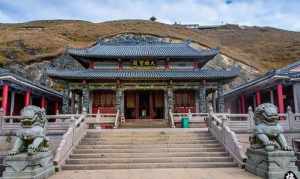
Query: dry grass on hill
x=261, y=48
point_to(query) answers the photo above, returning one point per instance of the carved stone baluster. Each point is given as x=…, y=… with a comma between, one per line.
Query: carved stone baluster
x=221, y=102
x=290, y=117
x=202, y=99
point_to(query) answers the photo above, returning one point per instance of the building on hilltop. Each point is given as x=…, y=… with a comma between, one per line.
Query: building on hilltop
x=18, y=92
x=280, y=87
x=142, y=78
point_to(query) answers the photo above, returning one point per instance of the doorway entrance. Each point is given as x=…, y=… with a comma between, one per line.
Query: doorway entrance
x=144, y=104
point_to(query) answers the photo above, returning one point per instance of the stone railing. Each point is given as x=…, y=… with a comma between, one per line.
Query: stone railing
x=117, y=120
x=70, y=139
x=171, y=119
x=97, y=120
x=222, y=132
x=245, y=123
x=60, y=122
x=194, y=117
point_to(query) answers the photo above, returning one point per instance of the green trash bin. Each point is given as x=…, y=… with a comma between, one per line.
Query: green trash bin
x=185, y=122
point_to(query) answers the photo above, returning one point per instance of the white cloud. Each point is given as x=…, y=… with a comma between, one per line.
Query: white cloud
x=276, y=13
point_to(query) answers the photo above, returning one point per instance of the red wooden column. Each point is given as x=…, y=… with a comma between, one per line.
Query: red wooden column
x=43, y=102
x=5, y=98
x=258, y=98
x=27, y=98
x=242, y=104
x=280, y=98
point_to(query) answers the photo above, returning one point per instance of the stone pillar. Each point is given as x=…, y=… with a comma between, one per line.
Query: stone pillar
x=56, y=108
x=170, y=99
x=120, y=100
x=12, y=102
x=166, y=107
x=202, y=99
x=72, y=109
x=272, y=97
x=85, y=98
x=221, y=103
x=65, y=102
x=5, y=98
x=43, y=102
x=296, y=97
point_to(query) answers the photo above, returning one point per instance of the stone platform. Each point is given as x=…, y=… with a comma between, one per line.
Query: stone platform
x=24, y=166
x=271, y=165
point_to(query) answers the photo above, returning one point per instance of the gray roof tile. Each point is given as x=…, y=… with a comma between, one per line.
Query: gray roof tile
x=178, y=50
x=114, y=74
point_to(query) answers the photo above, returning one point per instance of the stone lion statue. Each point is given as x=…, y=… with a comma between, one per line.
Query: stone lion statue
x=268, y=133
x=32, y=137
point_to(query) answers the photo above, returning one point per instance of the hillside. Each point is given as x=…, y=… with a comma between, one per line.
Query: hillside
x=261, y=48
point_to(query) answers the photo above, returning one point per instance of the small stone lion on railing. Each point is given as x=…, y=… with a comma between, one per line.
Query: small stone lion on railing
x=32, y=137
x=268, y=133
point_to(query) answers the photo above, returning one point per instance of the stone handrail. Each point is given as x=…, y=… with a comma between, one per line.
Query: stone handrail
x=219, y=129
x=194, y=117
x=12, y=122
x=117, y=120
x=171, y=119
x=245, y=122
x=70, y=139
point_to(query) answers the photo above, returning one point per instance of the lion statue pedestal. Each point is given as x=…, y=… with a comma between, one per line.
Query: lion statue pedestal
x=30, y=157
x=269, y=155
x=24, y=166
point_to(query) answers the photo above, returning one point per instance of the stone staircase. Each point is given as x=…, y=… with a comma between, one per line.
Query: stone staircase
x=148, y=148
x=145, y=123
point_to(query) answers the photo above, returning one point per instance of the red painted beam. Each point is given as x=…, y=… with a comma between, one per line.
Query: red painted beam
x=27, y=98
x=280, y=98
x=258, y=98
x=5, y=98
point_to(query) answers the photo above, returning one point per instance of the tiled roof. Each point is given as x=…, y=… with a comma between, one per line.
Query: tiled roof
x=114, y=74
x=281, y=72
x=8, y=76
x=123, y=50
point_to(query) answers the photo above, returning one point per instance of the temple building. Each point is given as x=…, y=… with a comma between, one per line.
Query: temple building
x=18, y=92
x=280, y=87
x=141, y=77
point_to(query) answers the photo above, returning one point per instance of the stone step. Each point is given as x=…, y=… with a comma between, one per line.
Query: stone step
x=149, y=165
x=145, y=146
x=147, y=135
x=147, y=150
x=149, y=155
x=96, y=142
x=165, y=138
x=148, y=160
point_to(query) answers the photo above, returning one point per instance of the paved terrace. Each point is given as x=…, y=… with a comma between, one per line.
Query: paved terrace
x=181, y=173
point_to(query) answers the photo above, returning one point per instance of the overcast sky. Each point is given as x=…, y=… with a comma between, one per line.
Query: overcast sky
x=276, y=13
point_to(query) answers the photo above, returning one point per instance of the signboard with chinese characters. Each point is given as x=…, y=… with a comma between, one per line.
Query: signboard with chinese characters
x=143, y=63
